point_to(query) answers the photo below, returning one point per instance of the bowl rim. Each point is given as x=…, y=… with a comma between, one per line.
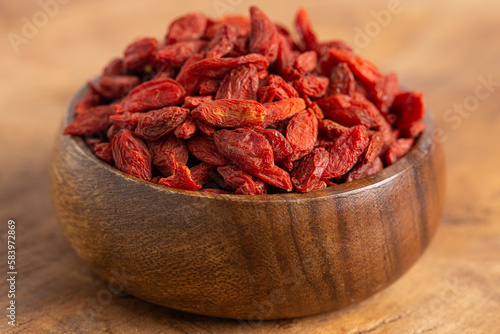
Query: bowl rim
x=420, y=149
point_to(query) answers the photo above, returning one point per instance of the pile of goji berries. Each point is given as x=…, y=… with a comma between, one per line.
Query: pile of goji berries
x=238, y=106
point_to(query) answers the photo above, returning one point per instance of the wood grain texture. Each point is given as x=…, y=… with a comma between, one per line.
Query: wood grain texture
x=249, y=257
x=442, y=47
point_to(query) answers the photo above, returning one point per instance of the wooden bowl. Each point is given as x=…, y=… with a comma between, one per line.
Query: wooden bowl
x=249, y=257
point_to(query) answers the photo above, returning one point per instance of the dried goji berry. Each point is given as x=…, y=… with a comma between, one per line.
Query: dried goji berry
x=362, y=170
x=346, y=152
x=301, y=133
x=186, y=28
x=409, y=107
x=310, y=169
x=168, y=153
x=374, y=148
x=204, y=149
x=131, y=155
x=202, y=174
x=181, y=179
x=223, y=41
x=360, y=67
x=281, y=110
x=263, y=35
x=304, y=64
x=103, y=151
x=398, y=149
x=126, y=120
x=342, y=81
x=186, y=79
x=90, y=120
x=281, y=147
x=114, y=67
x=204, y=127
x=384, y=91
x=231, y=113
x=209, y=87
x=90, y=98
x=240, y=83
x=266, y=94
x=186, y=130
x=285, y=56
x=311, y=85
x=157, y=123
x=332, y=129
x=309, y=41
x=308, y=111
x=275, y=176
x=414, y=130
x=192, y=102
x=243, y=182
x=283, y=89
x=348, y=111
x=178, y=53
x=248, y=149
x=152, y=94
x=115, y=86
x=218, y=68
x=139, y=53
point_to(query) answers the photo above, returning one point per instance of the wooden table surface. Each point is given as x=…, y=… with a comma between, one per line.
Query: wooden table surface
x=448, y=49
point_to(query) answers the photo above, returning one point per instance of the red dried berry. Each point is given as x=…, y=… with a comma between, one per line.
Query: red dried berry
x=349, y=111
x=223, y=41
x=281, y=147
x=263, y=35
x=362, y=69
x=281, y=110
x=126, y=120
x=186, y=130
x=90, y=98
x=243, y=182
x=192, y=102
x=310, y=169
x=204, y=149
x=231, y=113
x=248, y=149
x=90, y=120
x=180, y=52
x=239, y=83
x=186, y=79
x=409, y=107
x=202, y=174
x=398, y=149
x=311, y=85
x=131, y=155
x=283, y=89
x=186, y=28
x=157, y=123
x=342, y=81
x=104, y=152
x=181, y=179
x=139, y=53
x=365, y=169
x=219, y=67
x=112, y=87
x=154, y=94
x=275, y=176
x=301, y=133
x=308, y=38
x=209, y=87
x=168, y=153
x=346, y=152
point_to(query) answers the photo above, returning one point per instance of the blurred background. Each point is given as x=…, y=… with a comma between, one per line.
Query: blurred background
x=448, y=49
